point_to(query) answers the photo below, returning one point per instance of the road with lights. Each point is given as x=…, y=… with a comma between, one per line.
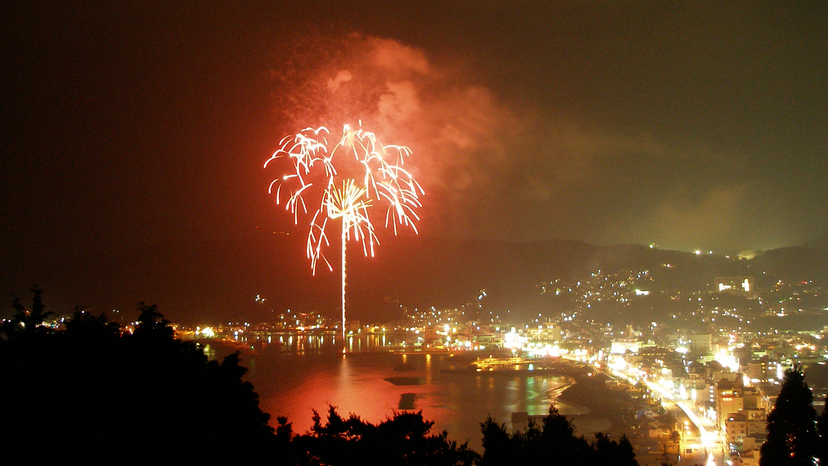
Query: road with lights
x=710, y=439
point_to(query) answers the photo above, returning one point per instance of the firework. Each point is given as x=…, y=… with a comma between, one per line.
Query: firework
x=346, y=182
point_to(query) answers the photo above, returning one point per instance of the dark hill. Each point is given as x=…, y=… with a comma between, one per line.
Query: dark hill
x=193, y=280
x=817, y=243
x=795, y=264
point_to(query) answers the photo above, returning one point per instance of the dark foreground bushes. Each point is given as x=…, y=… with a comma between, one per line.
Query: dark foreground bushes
x=94, y=393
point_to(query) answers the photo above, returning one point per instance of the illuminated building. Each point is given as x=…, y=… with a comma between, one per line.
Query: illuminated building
x=733, y=398
x=735, y=285
x=735, y=427
x=623, y=345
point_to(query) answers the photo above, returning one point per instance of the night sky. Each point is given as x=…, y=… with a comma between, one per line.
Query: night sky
x=139, y=129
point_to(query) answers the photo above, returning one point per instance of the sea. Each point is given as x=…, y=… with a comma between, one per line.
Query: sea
x=298, y=374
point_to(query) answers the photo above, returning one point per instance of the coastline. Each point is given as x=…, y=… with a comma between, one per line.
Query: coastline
x=609, y=407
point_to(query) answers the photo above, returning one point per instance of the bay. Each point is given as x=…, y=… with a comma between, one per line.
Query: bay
x=302, y=374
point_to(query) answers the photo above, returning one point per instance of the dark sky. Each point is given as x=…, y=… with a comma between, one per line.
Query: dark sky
x=139, y=129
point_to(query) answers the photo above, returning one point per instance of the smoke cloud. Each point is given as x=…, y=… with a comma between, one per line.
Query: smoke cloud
x=498, y=168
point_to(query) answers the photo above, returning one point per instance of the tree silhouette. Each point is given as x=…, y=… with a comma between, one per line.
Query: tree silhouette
x=792, y=438
x=26, y=323
x=401, y=440
x=610, y=452
x=88, y=327
x=152, y=324
x=553, y=442
x=822, y=432
x=499, y=448
x=94, y=393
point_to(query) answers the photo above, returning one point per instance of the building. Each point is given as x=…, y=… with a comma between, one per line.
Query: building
x=734, y=285
x=736, y=428
x=701, y=343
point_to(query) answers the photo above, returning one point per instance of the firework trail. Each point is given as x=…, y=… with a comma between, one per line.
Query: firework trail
x=346, y=182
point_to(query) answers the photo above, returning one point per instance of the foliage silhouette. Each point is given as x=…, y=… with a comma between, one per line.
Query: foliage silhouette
x=151, y=324
x=552, y=443
x=401, y=440
x=822, y=432
x=792, y=437
x=95, y=393
x=25, y=324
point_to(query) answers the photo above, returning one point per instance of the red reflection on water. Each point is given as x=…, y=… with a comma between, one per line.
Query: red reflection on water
x=361, y=390
x=357, y=383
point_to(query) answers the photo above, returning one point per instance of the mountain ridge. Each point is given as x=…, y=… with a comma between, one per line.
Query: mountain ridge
x=194, y=280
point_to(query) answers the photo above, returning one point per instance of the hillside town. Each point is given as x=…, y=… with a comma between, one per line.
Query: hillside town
x=702, y=378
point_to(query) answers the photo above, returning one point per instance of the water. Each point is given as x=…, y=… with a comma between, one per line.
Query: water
x=294, y=379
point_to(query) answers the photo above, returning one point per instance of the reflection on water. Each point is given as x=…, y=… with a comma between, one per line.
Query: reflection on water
x=315, y=341
x=313, y=375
